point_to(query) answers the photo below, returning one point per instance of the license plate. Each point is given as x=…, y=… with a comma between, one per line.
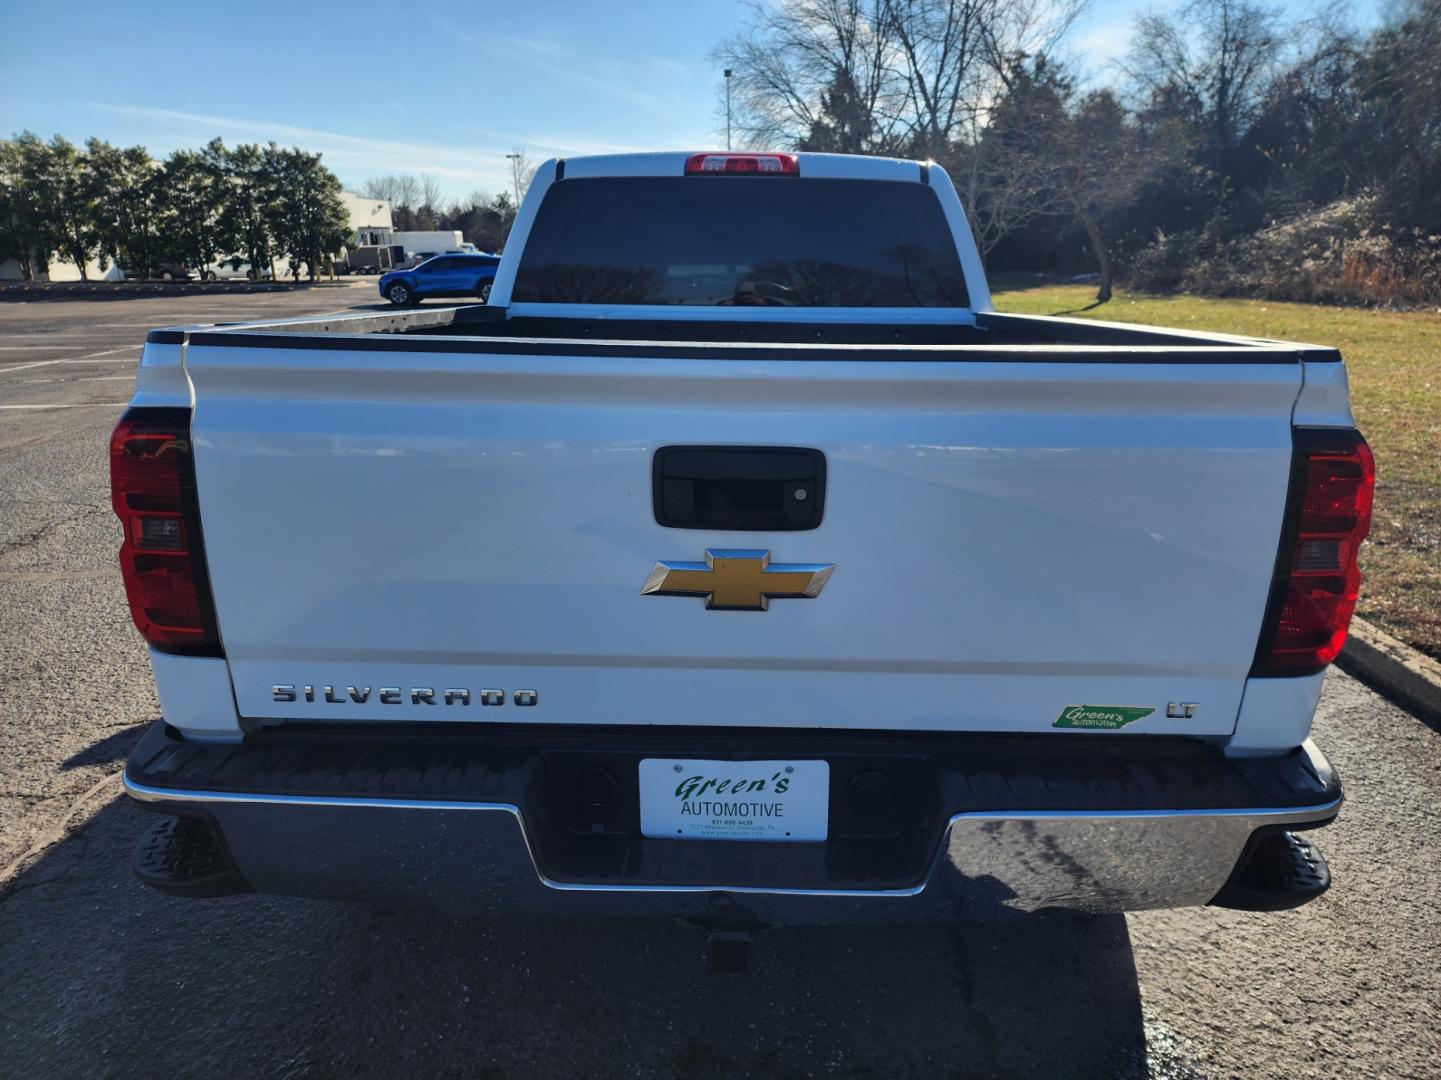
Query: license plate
x=690, y=799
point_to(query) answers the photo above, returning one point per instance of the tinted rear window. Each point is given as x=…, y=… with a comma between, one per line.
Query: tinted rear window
x=744, y=241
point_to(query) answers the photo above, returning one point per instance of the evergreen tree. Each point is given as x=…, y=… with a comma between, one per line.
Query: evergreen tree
x=67, y=196
x=24, y=228
x=196, y=187
x=250, y=192
x=127, y=190
x=307, y=217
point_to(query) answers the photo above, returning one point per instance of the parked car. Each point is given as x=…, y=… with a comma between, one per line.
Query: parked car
x=237, y=270
x=649, y=590
x=415, y=258
x=163, y=271
x=443, y=275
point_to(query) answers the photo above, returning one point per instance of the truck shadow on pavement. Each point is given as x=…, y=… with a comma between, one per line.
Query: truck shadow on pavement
x=104, y=977
x=114, y=748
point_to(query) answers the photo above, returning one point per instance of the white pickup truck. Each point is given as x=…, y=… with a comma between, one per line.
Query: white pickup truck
x=738, y=562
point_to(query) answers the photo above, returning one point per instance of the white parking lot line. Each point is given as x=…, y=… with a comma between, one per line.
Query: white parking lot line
x=81, y=379
x=74, y=405
x=38, y=335
x=88, y=358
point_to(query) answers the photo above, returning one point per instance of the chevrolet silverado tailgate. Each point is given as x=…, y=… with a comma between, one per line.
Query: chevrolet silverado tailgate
x=1011, y=538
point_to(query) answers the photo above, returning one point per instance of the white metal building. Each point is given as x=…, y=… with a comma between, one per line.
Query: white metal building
x=369, y=218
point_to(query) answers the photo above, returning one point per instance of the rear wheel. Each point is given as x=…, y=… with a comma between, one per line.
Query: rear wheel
x=484, y=292
x=166, y=275
x=399, y=294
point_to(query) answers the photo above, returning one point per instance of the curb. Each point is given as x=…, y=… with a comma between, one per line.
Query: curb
x=1394, y=669
x=128, y=289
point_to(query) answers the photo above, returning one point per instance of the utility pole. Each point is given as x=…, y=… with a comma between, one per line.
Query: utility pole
x=515, y=174
x=728, y=108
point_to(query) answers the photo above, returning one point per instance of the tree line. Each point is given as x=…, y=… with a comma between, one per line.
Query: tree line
x=1230, y=150
x=106, y=204
x=416, y=204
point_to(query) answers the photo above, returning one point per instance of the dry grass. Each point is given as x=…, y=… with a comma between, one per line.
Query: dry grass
x=1394, y=361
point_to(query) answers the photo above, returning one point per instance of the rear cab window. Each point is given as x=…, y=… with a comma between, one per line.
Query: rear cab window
x=741, y=241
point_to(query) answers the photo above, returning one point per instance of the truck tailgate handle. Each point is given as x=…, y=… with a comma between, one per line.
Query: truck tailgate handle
x=745, y=488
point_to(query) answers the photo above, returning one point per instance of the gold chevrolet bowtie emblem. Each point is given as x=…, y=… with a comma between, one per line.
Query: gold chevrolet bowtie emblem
x=738, y=579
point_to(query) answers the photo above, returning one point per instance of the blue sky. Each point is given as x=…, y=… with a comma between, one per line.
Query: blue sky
x=438, y=87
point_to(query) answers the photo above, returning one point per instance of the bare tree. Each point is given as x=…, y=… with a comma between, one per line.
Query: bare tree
x=796, y=53
x=1019, y=30
x=407, y=200
x=379, y=187
x=1102, y=165
x=429, y=202
x=1008, y=171
x=915, y=77
x=1217, y=57
x=406, y=196
x=1402, y=84
x=964, y=57
x=947, y=69
x=483, y=218
x=522, y=172
x=882, y=76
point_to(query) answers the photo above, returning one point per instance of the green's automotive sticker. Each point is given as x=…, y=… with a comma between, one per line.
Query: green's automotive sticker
x=1104, y=717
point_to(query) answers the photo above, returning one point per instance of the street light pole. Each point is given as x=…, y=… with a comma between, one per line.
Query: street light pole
x=515, y=174
x=728, y=108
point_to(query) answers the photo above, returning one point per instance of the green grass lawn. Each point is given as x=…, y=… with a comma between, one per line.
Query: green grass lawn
x=1394, y=361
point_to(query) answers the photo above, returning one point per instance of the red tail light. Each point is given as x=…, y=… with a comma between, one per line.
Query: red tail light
x=721, y=164
x=152, y=487
x=1333, y=476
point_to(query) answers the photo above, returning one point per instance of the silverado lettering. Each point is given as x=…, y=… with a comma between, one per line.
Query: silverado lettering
x=392, y=695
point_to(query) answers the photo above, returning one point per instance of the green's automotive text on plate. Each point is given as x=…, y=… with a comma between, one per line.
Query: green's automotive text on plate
x=1104, y=717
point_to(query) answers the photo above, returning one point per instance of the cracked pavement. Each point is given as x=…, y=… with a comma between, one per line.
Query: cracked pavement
x=104, y=978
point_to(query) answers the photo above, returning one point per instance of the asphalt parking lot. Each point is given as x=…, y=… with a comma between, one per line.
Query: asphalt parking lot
x=103, y=978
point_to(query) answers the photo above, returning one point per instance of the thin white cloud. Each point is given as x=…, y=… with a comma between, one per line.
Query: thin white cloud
x=561, y=65
x=459, y=168
x=567, y=145
x=666, y=66
x=544, y=48
x=352, y=155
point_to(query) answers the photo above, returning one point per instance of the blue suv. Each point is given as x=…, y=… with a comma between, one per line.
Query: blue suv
x=444, y=275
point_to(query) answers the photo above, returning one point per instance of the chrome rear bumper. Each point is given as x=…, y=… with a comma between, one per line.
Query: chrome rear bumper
x=502, y=857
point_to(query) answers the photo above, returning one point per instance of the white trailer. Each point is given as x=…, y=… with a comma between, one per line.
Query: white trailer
x=437, y=241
